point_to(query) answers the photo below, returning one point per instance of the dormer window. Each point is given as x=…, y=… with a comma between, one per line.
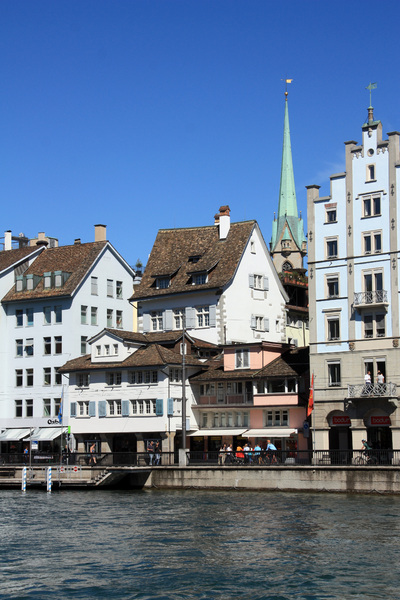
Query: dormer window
x=199, y=279
x=58, y=279
x=29, y=282
x=19, y=284
x=162, y=283
x=242, y=359
x=47, y=280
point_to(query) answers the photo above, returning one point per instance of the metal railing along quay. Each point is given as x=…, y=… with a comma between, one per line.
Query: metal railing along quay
x=301, y=457
x=214, y=458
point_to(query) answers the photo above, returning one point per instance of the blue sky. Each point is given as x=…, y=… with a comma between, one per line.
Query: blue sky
x=145, y=114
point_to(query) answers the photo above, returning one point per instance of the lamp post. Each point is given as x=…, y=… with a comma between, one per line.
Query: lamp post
x=183, y=386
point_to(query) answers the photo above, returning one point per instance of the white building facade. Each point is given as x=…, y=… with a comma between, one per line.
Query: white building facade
x=219, y=280
x=64, y=297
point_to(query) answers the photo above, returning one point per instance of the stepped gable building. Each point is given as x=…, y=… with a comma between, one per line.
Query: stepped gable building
x=289, y=247
x=56, y=298
x=218, y=281
x=128, y=390
x=258, y=391
x=354, y=241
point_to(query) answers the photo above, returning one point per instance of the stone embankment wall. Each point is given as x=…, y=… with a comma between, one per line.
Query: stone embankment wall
x=384, y=480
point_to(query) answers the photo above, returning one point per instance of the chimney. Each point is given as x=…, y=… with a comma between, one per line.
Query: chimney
x=40, y=242
x=224, y=221
x=77, y=241
x=7, y=240
x=100, y=233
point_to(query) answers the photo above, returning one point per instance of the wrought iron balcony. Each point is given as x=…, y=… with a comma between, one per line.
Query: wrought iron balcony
x=372, y=390
x=368, y=298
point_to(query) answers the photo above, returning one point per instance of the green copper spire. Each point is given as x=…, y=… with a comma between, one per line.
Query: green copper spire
x=287, y=192
x=288, y=224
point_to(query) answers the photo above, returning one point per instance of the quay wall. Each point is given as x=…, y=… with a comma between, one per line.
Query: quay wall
x=344, y=479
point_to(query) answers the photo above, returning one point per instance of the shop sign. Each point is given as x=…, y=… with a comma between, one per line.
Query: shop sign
x=34, y=445
x=341, y=420
x=384, y=420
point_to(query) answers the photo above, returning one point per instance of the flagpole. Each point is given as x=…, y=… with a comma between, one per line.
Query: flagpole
x=313, y=419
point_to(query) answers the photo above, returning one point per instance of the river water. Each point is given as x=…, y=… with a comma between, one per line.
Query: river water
x=189, y=545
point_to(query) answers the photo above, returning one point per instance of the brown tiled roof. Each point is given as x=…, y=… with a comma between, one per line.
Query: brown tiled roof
x=10, y=257
x=173, y=248
x=290, y=364
x=161, y=337
x=153, y=355
x=76, y=259
x=220, y=375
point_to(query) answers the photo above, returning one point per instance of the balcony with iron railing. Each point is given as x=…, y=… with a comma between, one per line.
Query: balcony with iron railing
x=372, y=390
x=377, y=297
x=226, y=399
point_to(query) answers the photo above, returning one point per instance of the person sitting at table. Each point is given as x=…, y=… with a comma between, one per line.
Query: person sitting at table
x=239, y=453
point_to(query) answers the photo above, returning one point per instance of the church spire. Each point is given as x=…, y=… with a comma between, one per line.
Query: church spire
x=287, y=192
x=288, y=242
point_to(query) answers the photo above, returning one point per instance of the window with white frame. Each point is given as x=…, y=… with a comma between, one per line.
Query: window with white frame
x=259, y=323
x=83, y=408
x=29, y=317
x=203, y=316
x=162, y=283
x=178, y=318
x=156, y=320
x=94, y=286
x=331, y=247
x=371, y=206
x=330, y=213
x=47, y=315
x=118, y=319
x=19, y=377
x=18, y=408
x=47, y=376
x=29, y=407
x=110, y=316
x=199, y=278
x=19, y=317
x=82, y=379
x=57, y=344
x=113, y=378
x=332, y=286
x=114, y=408
x=29, y=377
x=29, y=347
x=83, y=344
x=110, y=288
x=333, y=327
x=276, y=418
x=93, y=315
x=370, y=176
x=58, y=314
x=47, y=345
x=374, y=325
x=118, y=289
x=372, y=242
x=19, y=348
x=47, y=407
x=242, y=358
x=334, y=379
x=57, y=376
x=84, y=311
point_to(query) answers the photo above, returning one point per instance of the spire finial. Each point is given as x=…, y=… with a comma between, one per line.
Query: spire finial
x=370, y=87
x=286, y=82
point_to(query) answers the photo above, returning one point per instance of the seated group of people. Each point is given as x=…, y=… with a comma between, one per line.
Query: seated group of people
x=247, y=454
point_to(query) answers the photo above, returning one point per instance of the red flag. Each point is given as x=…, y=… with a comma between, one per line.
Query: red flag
x=310, y=407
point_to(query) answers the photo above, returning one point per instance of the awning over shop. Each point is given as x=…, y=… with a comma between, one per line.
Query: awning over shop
x=13, y=435
x=270, y=432
x=45, y=434
x=216, y=432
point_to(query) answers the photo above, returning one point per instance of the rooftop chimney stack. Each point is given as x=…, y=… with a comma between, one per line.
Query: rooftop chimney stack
x=224, y=221
x=100, y=233
x=7, y=240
